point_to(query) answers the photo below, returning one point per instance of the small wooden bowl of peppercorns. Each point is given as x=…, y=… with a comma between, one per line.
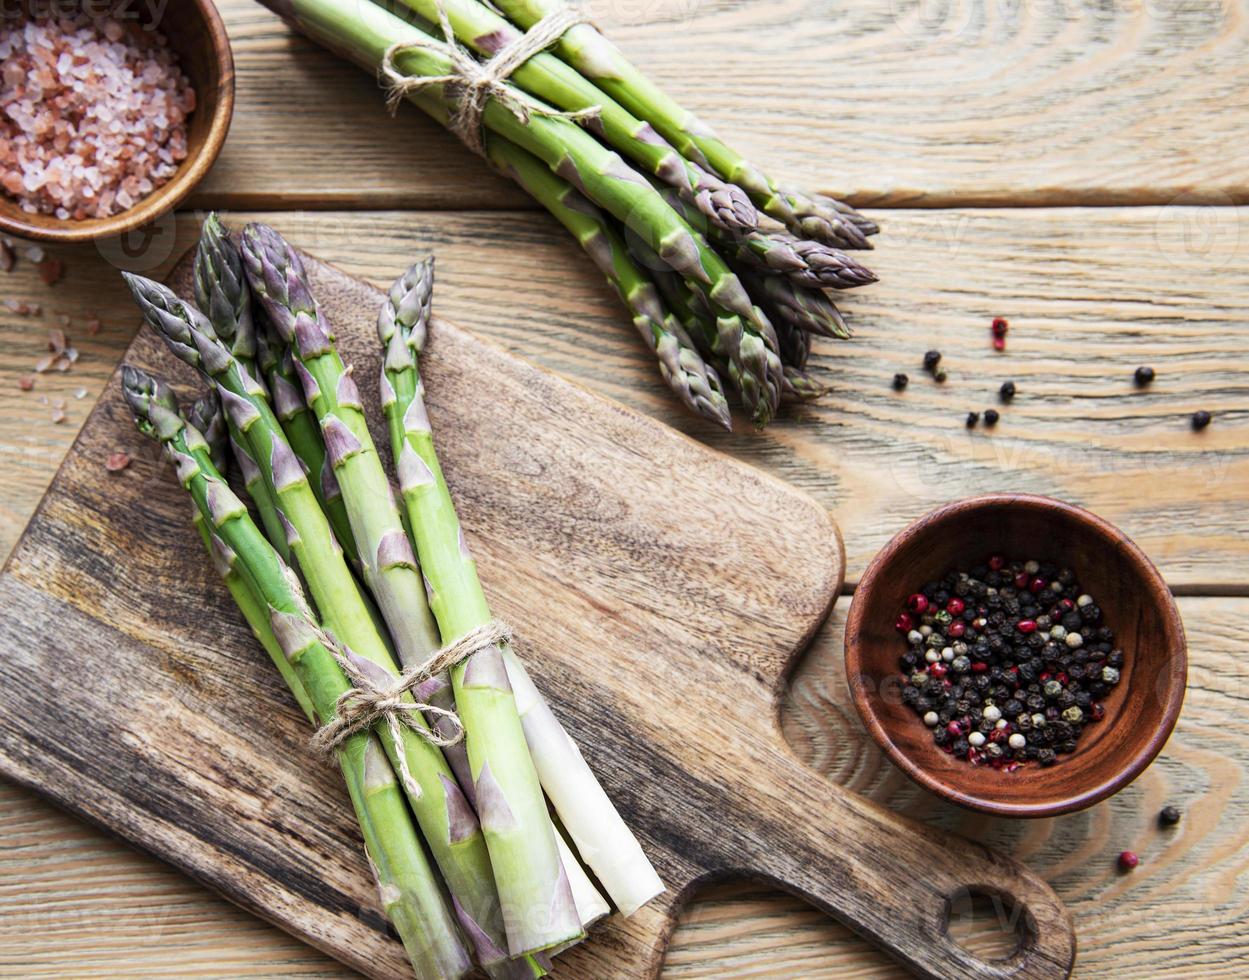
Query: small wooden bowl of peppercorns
x=1016, y=655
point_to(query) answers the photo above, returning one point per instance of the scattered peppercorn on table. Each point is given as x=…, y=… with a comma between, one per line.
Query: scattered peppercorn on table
x=1136, y=259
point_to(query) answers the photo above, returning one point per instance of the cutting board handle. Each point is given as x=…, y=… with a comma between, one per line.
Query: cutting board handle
x=895, y=881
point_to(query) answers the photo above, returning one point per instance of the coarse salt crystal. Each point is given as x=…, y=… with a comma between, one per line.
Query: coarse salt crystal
x=81, y=91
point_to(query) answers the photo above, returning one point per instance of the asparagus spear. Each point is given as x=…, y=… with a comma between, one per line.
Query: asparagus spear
x=747, y=339
x=481, y=29
x=221, y=290
x=448, y=823
x=302, y=432
x=693, y=382
x=596, y=58
x=806, y=263
x=785, y=303
x=799, y=384
x=410, y=892
x=206, y=417
x=460, y=604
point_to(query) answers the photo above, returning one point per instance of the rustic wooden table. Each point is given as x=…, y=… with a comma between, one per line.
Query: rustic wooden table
x=1075, y=167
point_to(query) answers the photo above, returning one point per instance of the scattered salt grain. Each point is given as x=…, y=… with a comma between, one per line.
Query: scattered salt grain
x=117, y=462
x=51, y=270
x=44, y=363
x=80, y=394
x=58, y=416
x=22, y=309
x=92, y=118
x=56, y=340
x=26, y=382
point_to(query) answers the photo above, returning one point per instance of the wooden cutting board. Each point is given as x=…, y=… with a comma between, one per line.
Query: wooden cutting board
x=661, y=592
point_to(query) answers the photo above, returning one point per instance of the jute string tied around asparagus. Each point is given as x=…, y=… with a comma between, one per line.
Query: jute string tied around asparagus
x=475, y=83
x=368, y=703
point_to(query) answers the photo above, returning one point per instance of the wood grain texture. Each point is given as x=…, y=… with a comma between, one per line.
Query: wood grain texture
x=1182, y=913
x=1156, y=285
x=899, y=103
x=1141, y=285
x=595, y=533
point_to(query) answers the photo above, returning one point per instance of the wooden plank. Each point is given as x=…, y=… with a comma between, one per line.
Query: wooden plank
x=1091, y=293
x=119, y=913
x=897, y=103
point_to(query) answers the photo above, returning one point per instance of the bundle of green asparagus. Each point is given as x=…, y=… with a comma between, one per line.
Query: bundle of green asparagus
x=716, y=263
x=479, y=815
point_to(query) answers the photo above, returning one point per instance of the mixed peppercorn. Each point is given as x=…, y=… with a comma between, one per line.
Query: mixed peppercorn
x=1007, y=662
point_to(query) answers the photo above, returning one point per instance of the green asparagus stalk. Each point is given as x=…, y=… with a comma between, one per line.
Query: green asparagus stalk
x=800, y=385
x=411, y=896
x=459, y=603
x=221, y=290
x=365, y=32
x=479, y=28
x=537, y=907
x=694, y=383
x=448, y=823
x=806, y=263
x=302, y=432
x=600, y=61
x=785, y=303
x=205, y=415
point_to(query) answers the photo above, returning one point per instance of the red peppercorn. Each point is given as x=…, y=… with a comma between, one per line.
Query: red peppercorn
x=1063, y=679
x=1098, y=711
x=999, y=343
x=903, y=623
x=1067, y=604
x=1022, y=580
x=979, y=667
x=1000, y=326
x=996, y=562
x=1128, y=860
x=1037, y=585
x=955, y=606
x=956, y=629
x=1045, y=675
x=954, y=728
x=917, y=603
x=936, y=670
x=1026, y=626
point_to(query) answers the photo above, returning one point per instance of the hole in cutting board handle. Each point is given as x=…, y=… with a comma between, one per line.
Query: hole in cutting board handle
x=989, y=924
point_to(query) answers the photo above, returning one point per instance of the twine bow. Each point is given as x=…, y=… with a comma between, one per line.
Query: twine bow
x=369, y=701
x=475, y=83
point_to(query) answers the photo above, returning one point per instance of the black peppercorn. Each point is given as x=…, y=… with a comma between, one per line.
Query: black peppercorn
x=939, y=377
x=931, y=359
x=900, y=381
x=1007, y=391
x=1200, y=420
x=1143, y=376
x=972, y=419
x=990, y=417
x=1169, y=816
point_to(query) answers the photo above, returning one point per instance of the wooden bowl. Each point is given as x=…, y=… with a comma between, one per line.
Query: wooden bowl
x=1141, y=710
x=195, y=32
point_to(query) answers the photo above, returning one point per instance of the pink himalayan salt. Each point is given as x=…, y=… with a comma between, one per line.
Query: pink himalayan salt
x=92, y=115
